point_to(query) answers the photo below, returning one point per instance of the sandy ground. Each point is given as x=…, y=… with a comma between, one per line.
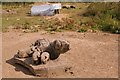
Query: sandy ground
x=92, y=55
x=0, y=55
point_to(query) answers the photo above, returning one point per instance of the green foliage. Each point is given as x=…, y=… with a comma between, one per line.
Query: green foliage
x=109, y=25
x=35, y=29
x=5, y=29
x=26, y=26
x=98, y=16
x=59, y=30
x=93, y=30
x=106, y=16
x=17, y=27
x=82, y=29
x=52, y=32
x=52, y=25
x=65, y=24
x=68, y=24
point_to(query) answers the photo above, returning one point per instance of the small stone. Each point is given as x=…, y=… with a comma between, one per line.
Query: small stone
x=18, y=19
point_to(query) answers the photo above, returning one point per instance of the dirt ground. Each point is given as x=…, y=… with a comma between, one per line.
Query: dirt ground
x=92, y=55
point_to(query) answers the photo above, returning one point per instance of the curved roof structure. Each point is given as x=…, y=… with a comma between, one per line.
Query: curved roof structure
x=44, y=9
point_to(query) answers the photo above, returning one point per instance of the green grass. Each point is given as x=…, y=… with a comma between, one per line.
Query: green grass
x=21, y=20
x=94, y=16
x=21, y=14
x=5, y=29
x=82, y=30
x=106, y=16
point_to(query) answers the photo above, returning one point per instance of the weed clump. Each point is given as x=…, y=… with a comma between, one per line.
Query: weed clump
x=105, y=15
x=28, y=28
x=82, y=29
x=5, y=29
x=25, y=26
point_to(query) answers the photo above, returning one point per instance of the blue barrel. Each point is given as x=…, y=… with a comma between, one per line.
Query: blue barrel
x=44, y=10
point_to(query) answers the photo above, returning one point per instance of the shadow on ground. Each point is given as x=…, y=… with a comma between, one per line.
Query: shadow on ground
x=19, y=67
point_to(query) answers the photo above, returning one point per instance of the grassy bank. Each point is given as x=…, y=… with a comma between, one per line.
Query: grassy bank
x=85, y=17
x=105, y=16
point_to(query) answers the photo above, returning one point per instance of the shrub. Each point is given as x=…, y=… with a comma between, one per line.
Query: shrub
x=52, y=32
x=4, y=29
x=68, y=24
x=106, y=16
x=109, y=25
x=17, y=27
x=82, y=29
x=35, y=29
x=26, y=26
x=59, y=30
x=93, y=30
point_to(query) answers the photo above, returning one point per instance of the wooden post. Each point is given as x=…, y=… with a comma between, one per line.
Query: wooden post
x=24, y=4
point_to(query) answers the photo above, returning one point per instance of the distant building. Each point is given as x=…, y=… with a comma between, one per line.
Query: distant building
x=45, y=10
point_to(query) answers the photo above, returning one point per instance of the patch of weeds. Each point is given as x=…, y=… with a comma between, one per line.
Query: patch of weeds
x=43, y=33
x=21, y=34
x=52, y=32
x=25, y=26
x=50, y=26
x=94, y=26
x=35, y=29
x=110, y=25
x=82, y=29
x=5, y=29
x=93, y=30
x=54, y=29
x=59, y=30
x=58, y=22
x=105, y=34
x=105, y=15
x=48, y=29
x=17, y=27
x=68, y=24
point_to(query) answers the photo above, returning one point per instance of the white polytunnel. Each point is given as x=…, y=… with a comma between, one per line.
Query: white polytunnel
x=45, y=10
x=56, y=6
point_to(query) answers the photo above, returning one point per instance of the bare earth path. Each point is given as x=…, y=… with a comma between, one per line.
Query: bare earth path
x=92, y=55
